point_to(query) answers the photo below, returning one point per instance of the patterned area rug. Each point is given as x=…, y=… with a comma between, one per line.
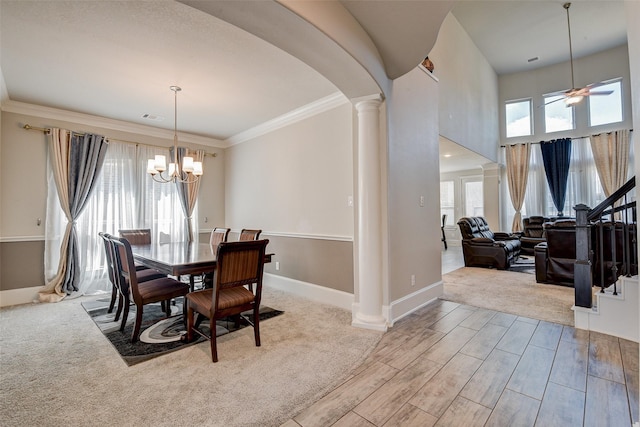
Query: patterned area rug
x=158, y=335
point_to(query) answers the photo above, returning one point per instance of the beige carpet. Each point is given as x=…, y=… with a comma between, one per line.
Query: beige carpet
x=509, y=292
x=57, y=369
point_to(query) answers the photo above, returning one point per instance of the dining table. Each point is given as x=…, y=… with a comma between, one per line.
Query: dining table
x=180, y=258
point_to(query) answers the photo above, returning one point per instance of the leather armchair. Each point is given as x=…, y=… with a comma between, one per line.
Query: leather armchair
x=555, y=259
x=533, y=233
x=482, y=247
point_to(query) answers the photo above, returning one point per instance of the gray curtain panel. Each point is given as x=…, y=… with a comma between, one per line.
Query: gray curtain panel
x=76, y=160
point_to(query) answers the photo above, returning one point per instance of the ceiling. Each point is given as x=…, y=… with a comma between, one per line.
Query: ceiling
x=117, y=59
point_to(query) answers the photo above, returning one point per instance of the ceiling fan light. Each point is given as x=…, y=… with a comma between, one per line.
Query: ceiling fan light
x=573, y=100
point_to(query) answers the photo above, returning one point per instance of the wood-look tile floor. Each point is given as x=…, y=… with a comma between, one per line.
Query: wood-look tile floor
x=455, y=365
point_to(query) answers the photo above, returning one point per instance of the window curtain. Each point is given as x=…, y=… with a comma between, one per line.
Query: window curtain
x=75, y=161
x=188, y=191
x=556, y=156
x=159, y=207
x=611, y=155
x=517, y=174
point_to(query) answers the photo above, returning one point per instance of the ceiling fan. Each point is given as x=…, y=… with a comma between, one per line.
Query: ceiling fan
x=575, y=95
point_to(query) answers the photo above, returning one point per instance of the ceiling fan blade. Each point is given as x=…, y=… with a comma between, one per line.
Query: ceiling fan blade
x=599, y=92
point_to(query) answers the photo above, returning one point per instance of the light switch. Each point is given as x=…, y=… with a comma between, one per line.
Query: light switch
x=421, y=201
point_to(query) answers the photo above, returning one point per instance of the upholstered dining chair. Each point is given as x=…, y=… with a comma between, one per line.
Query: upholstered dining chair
x=247, y=234
x=111, y=272
x=218, y=235
x=137, y=236
x=238, y=264
x=162, y=289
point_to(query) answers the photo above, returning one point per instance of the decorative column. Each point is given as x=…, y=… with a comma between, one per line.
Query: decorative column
x=368, y=311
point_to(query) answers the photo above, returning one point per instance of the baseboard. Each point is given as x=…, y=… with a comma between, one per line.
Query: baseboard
x=412, y=302
x=19, y=296
x=310, y=291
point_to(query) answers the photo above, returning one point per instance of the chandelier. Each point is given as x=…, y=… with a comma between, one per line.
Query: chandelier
x=186, y=171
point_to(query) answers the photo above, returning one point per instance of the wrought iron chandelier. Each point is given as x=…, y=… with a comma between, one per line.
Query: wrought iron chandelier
x=187, y=170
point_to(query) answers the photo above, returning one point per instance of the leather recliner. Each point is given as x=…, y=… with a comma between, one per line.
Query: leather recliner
x=533, y=233
x=555, y=259
x=481, y=247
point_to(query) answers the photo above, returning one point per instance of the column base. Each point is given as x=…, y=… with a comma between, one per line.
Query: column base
x=376, y=323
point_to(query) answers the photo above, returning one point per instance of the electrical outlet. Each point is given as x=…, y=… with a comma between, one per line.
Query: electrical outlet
x=413, y=280
x=422, y=201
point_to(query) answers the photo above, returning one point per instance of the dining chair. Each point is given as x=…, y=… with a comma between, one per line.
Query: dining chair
x=137, y=236
x=247, y=234
x=111, y=272
x=161, y=289
x=238, y=264
x=218, y=235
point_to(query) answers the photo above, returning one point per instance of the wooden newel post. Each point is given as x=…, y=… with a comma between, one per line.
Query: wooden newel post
x=582, y=270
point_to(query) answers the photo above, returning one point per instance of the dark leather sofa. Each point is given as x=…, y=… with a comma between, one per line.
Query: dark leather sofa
x=482, y=247
x=533, y=233
x=555, y=259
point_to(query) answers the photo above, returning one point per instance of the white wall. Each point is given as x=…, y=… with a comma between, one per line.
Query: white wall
x=295, y=180
x=413, y=172
x=468, y=106
x=606, y=65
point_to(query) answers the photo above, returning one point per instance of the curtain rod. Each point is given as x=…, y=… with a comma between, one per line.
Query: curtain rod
x=572, y=137
x=48, y=130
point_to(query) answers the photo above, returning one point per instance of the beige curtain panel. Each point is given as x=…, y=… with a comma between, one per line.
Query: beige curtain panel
x=76, y=161
x=611, y=155
x=517, y=157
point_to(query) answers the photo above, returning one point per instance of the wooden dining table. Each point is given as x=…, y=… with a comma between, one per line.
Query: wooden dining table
x=180, y=258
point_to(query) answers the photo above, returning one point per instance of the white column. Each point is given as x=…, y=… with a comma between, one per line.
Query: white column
x=368, y=310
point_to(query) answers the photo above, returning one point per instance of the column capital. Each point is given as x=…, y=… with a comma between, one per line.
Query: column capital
x=367, y=101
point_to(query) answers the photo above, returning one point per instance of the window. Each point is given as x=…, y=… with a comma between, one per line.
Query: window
x=557, y=116
x=518, y=118
x=605, y=109
x=447, y=201
x=473, y=197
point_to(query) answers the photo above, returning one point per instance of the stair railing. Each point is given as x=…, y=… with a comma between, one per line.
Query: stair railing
x=614, y=219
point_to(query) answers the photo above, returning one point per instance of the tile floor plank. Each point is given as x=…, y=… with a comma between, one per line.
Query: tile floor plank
x=337, y=403
x=514, y=409
x=483, y=343
x=561, y=406
x=411, y=349
x=442, y=351
x=388, y=399
x=606, y=403
x=438, y=393
x=517, y=337
x=503, y=319
x=605, y=358
x=463, y=412
x=352, y=420
x=489, y=381
x=531, y=375
x=478, y=319
x=451, y=320
x=570, y=365
x=547, y=335
x=410, y=416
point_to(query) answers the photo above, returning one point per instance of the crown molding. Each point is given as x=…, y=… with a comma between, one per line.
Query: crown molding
x=321, y=105
x=102, y=122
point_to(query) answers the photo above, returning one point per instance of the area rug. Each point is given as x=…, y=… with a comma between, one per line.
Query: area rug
x=158, y=335
x=524, y=264
x=509, y=292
